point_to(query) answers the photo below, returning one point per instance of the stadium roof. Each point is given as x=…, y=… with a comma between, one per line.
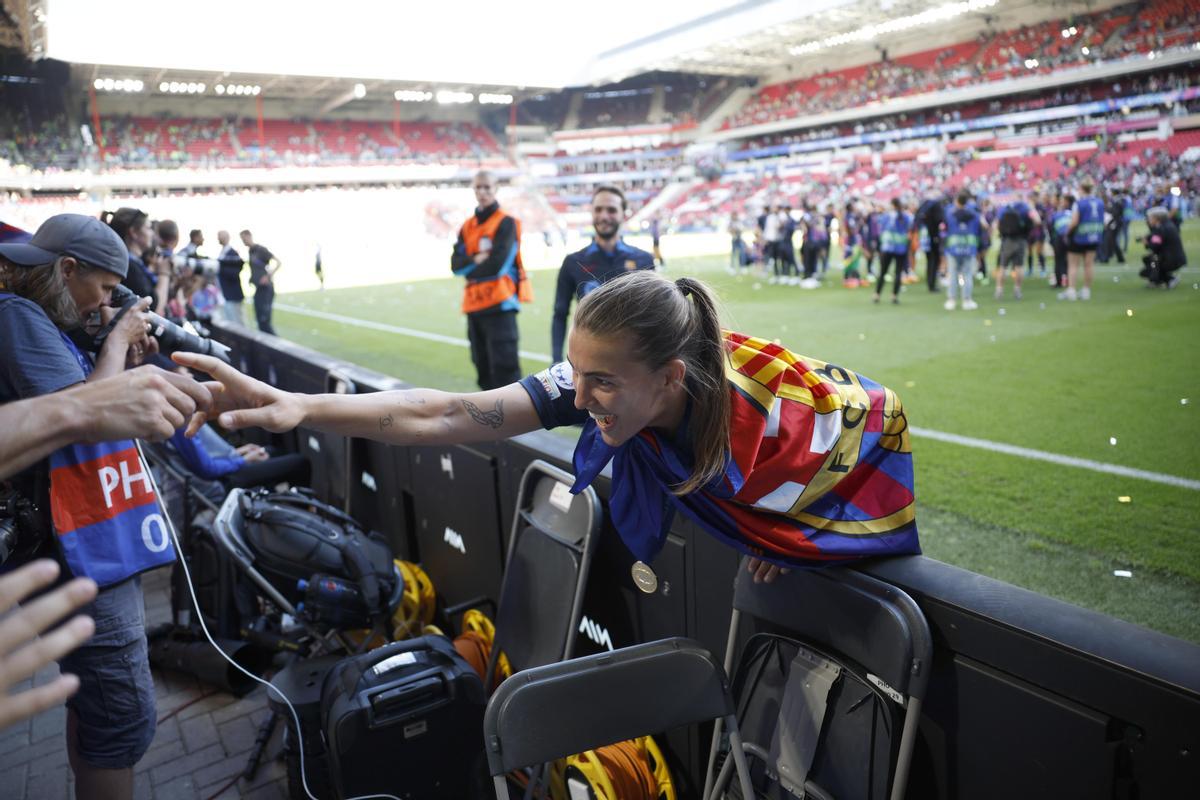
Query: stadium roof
x=314, y=49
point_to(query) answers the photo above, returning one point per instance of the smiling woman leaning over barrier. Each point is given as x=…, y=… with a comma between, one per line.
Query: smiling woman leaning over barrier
x=791, y=460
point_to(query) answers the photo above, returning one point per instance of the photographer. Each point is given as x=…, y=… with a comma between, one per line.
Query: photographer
x=64, y=275
x=230, y=280
x=195, y=242
x=1166, y=254
x=146, y=274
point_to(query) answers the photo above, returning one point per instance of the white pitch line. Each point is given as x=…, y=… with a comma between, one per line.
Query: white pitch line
x=416, y=334
x=952, y=438
x=1055, y=458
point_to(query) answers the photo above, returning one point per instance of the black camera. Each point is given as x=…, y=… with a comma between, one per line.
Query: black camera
x=171, y=337
x=19, y=524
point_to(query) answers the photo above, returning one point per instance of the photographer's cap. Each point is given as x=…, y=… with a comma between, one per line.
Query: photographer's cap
x=77, y=235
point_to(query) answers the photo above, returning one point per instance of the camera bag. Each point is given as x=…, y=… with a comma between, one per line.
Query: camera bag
x=294, y=536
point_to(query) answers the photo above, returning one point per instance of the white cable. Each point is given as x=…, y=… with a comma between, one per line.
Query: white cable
x=200, y=616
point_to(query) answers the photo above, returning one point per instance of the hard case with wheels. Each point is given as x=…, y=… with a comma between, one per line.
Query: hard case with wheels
x=405, y=719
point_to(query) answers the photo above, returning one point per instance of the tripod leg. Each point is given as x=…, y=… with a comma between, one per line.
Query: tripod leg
x=260, y=745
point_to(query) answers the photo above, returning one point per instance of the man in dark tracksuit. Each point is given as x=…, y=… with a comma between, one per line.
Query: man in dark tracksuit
x=602, y=260
x=262, y=275
x=488, y=255
x=1166, y=254
x=930, y=215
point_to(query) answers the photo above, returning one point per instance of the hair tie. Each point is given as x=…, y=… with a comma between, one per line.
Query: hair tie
x=684, y=288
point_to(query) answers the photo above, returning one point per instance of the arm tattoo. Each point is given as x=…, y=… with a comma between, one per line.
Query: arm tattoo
x=385, y=422
x=493, y=418
x=413, y=399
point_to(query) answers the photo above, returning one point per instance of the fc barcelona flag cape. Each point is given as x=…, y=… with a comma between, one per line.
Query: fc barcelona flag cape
x=819, y=470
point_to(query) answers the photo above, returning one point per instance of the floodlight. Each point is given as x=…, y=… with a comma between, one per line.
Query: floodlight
x=446, y=97
x=1085, y=50
x=97, y=84
x=108, y=84
x=138, y=86
x=256, y=90
x=164, y=86
x=219, y=89
x=360, y=91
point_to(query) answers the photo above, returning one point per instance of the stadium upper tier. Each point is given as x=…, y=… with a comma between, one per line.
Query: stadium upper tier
x=1038, y=49
x=141, y=142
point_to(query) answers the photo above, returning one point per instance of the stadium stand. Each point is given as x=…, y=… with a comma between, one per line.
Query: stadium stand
x=1111, y=34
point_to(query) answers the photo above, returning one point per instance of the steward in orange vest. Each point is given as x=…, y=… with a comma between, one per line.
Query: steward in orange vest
x=498, y=282
x=488, y=255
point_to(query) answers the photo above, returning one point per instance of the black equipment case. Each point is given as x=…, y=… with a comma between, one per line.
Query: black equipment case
x=405, y=719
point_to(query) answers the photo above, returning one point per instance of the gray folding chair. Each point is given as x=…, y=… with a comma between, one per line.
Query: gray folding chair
x=549, y=556
x=561, y=709
x=857, y=622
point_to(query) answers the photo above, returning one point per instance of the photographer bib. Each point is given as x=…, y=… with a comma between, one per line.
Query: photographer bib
x=106, y=516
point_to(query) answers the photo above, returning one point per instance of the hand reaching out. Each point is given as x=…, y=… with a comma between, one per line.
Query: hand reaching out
x=240, y=401
x=23, y=651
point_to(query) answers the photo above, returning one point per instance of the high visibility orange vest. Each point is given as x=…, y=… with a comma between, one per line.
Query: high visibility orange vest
x=484, y=293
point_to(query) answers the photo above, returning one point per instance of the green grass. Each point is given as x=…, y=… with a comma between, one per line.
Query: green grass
x=1043, y=374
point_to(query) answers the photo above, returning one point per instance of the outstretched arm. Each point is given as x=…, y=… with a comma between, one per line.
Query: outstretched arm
x=412, y=416
x=144, y=403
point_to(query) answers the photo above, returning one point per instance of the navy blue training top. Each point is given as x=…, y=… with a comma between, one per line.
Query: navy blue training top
x=553, y=394
x=584, y=271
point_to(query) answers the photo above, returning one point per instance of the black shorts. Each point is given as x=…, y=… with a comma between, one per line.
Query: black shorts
x=1081, y=248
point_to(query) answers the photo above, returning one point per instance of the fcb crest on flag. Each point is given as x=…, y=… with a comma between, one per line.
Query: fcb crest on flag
x=819, y=469
x=106, y=513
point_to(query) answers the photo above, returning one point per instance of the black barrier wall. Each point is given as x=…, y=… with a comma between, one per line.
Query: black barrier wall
x=1029, y=697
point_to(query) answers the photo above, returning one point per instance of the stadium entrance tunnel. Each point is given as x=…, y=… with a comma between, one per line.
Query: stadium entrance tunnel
x=1027, y=696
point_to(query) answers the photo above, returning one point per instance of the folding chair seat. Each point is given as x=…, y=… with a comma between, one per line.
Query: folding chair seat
x=560, y=709
x=844, y=666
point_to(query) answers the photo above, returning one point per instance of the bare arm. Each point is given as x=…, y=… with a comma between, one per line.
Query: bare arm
x=423, y=416
x=144, y=403
x=413, y=416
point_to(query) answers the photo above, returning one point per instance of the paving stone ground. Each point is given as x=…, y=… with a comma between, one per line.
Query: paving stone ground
x=203, y=739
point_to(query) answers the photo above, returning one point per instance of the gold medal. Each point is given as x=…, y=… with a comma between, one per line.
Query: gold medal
x=644, y=577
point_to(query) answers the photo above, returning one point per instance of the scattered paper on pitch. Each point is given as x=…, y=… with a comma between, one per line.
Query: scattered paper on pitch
x=1112, y=440
x=1122, y=573
x=1124, y=499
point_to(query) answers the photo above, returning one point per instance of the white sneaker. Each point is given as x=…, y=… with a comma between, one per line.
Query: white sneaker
x=949, y=305
x=1085, y=293
x=999, y=293
x=970, y=305
x=1069, y=294
x=772, y=280
x=810, y=283
x=1017, y=293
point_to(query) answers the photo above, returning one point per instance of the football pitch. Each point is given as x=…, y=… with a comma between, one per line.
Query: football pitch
x=1114, y=381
